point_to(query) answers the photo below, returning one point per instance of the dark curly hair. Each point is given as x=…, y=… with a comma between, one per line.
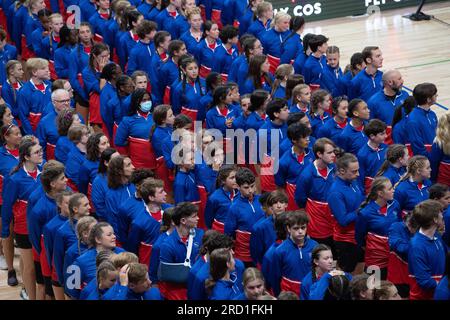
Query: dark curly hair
x=92, y=149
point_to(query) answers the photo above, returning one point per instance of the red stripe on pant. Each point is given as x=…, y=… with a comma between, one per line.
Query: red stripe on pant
x=417, y=293
x=267, y=176
x=173, y=291
x=141, y=153
x=72, y=185
x=34, y=119
x=274, y=63
x=218, y=226
x=368, y=184
x=321, y=224
x=201, y=206
x=397, y=270
x=344, y=234
x=290, y=190
x=94, y=109
x=444, y=173
x=46, y=269
x=290, y=285
x=144, y=253
x=204, y=71
x=377, y=250
x=242, y=246
x=164, y=174
x=20, y=217
x=50, y=151
x=191, y=113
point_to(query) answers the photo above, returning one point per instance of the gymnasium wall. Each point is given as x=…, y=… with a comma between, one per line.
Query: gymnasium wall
x=314, y=10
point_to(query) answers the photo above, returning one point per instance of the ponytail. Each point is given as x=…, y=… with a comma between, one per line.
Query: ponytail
x=393, y=153
x=414, y=164
x=377, y=185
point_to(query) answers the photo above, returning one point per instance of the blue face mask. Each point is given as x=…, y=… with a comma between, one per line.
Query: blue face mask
x=146, y=106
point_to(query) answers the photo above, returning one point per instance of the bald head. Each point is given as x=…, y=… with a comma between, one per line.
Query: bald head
x=393, y=79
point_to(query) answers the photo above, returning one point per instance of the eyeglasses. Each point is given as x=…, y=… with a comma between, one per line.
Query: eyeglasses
x=37, y=152
x=63, y=101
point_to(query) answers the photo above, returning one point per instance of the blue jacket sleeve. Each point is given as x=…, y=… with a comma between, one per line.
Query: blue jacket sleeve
x=40, y=134
x=397, y=243
x=60, y=68
x=58, y=256
x=73, y=74
x=337, y=205
x=361, y=229
x=34, y=231
x=275, y=277
x=281, y=175
x=416, y=139
x=210, y=212
x=435, y=158
x=24, y=112
x=134, y=238
x=318, y=291
x=9, y=198
x=178, y=192
x=401, y=197
x=422, y=270
x=154, y=264
x=256, y=248
x=230, y=223
x=442, y=291
x=167, y=147
x=303, y=184
x=83, y=179
x=121, y=138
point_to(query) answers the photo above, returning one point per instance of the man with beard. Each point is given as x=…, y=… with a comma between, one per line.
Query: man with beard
x=383, y=103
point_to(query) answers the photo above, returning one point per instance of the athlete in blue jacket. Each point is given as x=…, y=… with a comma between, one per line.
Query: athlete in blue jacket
x=378, y=213
x=174, y=248
x=413, y=186
x=422, y=121
x=312, y=188
x=293, y=161
x=168, y=17
x=344, y=198
x=427, y=252
x=383, y=103
x=65, y=236
x=315, y=65
x=372, y=154
x=292, y=45
x=352, y=138
x=244, y=212
x=263, y=232
x=369, y=80
x=292, y=259
x=221, y=199
x=227, y=52
x=34, y=95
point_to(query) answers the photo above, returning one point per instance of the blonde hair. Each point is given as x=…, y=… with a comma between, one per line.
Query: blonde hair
x=263, y=7
x=54, y=15
x=123, y=258
x=279, y=16
x=34, y=64
x=192, y=11
x=443, y=133
x=297, y=91
x=414, y=165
